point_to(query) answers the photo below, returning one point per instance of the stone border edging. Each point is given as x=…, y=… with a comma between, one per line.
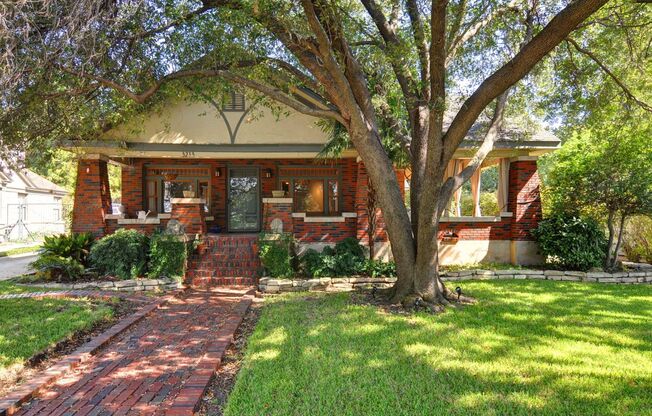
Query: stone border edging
x=131, y=285
x=189, y=398
x=343, y=284
x=11, y=402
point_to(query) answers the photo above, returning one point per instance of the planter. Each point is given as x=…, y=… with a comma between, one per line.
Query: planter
x=278, y=194
x=188, y=194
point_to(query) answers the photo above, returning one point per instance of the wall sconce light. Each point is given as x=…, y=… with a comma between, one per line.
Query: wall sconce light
x=218, y=172
x=268, y=173
x=88, y=170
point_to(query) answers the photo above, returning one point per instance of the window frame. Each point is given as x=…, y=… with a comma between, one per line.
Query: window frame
x=229, y=103
x=324, y=178
x=159, y=179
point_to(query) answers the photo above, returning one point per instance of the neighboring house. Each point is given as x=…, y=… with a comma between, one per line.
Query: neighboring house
x=30, y=205
x=214, y=169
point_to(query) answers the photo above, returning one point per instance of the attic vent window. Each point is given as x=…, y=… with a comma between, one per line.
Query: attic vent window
x=234, y=101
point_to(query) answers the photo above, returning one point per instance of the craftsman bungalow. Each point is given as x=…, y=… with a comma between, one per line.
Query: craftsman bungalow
x=226, y=173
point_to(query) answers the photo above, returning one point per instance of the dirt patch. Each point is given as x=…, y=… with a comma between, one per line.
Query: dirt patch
x=218, y=391
x=379, y=300
x=18, y=374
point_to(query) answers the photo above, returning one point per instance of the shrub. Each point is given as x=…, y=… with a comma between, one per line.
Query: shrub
x=53, y=267
x=167, y=255
x=376, y=268
x=276, y=254
x=637, y=242
x=73, y=246
x=122, y=254
x=346, y=258
x=63, y=257
x=571, y=242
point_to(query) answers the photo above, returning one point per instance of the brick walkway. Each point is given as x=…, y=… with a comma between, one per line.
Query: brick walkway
x=161, y=365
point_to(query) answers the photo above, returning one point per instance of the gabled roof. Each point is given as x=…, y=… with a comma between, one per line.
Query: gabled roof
x=37, y=182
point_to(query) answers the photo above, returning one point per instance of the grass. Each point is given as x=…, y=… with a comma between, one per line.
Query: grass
x=9, y=287
x=527, y=348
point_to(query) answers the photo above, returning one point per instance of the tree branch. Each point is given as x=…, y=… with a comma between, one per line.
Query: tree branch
x=457, y=42
x=272, y=92
x=421, y=43
x=552, y=35
x=453, y=183
x=628, y=93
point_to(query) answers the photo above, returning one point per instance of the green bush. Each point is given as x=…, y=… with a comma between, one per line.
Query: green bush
x=376, y=268
x=345, y=259
x=73, y=246
x=637, y=241
x=276, y=254
x=52, y=267
x=167, y=256
x=122, y=254
x=571, y=243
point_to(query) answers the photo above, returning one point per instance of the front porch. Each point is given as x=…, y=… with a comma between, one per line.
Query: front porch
x=319, y=204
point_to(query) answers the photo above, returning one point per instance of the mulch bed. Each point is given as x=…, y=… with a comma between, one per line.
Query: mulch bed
x=44, y=359
x=218, y=391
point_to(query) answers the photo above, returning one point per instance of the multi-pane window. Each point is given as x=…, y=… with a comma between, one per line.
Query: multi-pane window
x=314, y=191
x=162, y=184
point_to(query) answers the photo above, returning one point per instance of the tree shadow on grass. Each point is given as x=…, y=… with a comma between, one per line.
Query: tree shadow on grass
x=525, y=348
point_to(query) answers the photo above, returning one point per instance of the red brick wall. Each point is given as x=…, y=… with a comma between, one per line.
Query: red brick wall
x=132, y=181
x=92, y=197
x=191, y=216
x=132, y=188
x=324, y=232
x=524, y=198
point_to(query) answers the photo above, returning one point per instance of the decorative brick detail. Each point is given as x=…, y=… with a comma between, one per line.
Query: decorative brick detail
x=191, y=216
x=524, y=198
x=92, y=197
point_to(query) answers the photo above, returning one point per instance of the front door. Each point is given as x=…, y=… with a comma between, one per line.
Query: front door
x=243, y=203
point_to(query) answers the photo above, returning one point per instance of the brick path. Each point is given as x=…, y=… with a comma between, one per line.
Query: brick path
x=161, y=365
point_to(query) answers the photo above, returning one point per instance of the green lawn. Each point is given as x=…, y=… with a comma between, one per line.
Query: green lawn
x=527, y=347
x=28, y=326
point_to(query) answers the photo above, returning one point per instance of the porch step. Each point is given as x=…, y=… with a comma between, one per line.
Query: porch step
x=224, y=260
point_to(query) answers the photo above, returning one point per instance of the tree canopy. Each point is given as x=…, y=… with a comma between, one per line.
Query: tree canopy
x=608, y=172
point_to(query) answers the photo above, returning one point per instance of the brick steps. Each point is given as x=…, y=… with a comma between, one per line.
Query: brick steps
x=225, y=260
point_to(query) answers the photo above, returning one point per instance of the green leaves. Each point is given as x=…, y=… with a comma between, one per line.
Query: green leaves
x=571, y=243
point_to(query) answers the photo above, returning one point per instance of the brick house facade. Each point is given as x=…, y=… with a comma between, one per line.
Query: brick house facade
x=262, y=175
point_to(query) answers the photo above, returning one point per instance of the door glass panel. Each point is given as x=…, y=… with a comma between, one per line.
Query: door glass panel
x=244, y=199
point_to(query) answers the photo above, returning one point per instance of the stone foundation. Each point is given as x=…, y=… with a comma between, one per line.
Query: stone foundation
x=344, y=284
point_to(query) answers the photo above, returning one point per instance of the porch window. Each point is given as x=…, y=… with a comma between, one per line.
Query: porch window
x=315, y=190
x=163, y=183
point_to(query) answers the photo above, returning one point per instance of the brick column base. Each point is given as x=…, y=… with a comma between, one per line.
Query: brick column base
x=190, y=213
